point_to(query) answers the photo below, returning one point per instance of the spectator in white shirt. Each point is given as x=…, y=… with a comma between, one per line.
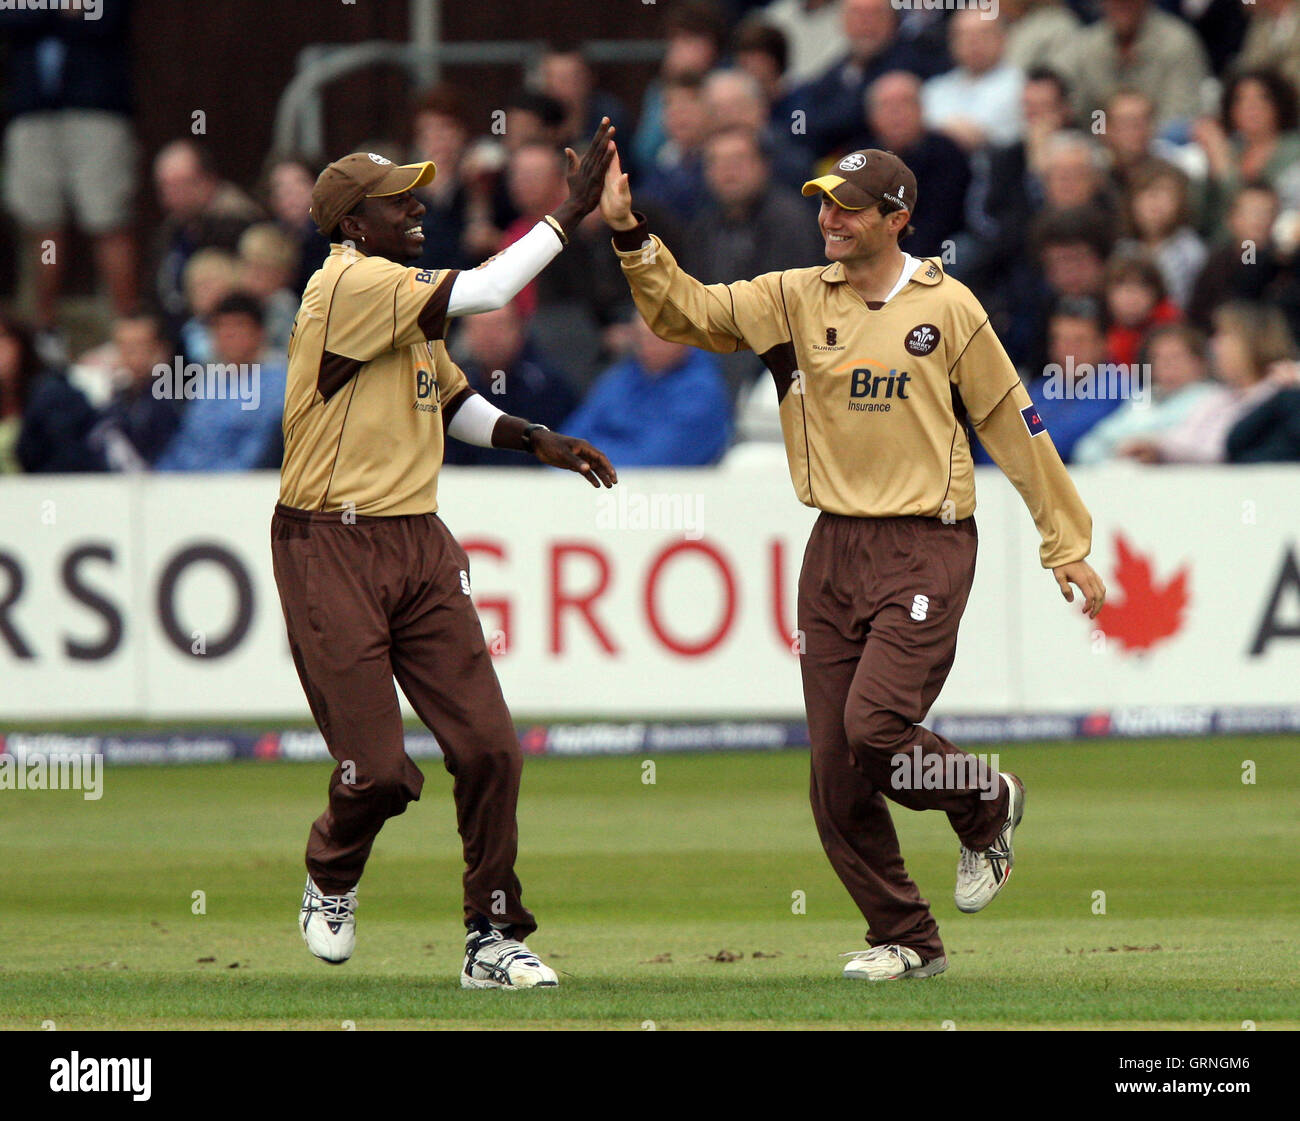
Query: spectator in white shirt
x=978, y=102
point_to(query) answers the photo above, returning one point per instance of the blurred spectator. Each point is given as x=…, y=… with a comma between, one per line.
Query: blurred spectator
x=812, y=30
x=1174, y=373
x=1040, y=31
x=1159, y=221
x=200, y=211
x=750, y=225
x=566, y=76
x=266, y=262
x=1073, y=174
x=895, y=123
x=664, y=405
x=536, y=178
x=440, y=133
x=1070, y=403
x=734, y=99
x=135, y=426
x=1248, y=264
x=833, y=102
x=760, y=50
x=20, y=366
x=210, y=276
x=289, y=184
x=1256, y=139
x=1136, y=302
x=1130, y=139
x=1270, y=432
x=531, y=118
x=1253, y=354
x=1072, y=251
x=696, y=35
x=1272, y=40
x=978, y=101
x=53, y=420
x=675, y=176
x=1004, y=196
x=235, y=424
x=70, y=140
x=500, y=363
x=1137, y=45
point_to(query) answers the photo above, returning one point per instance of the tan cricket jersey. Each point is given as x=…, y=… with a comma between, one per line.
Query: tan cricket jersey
x=874, y=401
x=368, y=385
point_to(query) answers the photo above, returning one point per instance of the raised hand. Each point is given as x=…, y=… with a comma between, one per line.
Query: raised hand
x=586, y=177
x=616, y=198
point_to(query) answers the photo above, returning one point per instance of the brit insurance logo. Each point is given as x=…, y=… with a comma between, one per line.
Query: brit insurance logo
x=426, y=386
x=853, y=162
x=872, y=389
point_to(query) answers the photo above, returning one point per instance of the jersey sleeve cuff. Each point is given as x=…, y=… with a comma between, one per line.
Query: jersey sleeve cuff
x=631, y=241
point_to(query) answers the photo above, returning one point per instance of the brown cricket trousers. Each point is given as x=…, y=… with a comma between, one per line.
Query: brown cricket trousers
x=880, y=601
x=367, y=600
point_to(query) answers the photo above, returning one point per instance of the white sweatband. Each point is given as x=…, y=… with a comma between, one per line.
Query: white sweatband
x=501, y=278
x=475, y=421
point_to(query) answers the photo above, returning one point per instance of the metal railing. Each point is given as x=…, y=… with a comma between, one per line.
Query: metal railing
x=300, y=117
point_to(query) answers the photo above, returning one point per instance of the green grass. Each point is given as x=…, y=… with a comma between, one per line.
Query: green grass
x=640, y=887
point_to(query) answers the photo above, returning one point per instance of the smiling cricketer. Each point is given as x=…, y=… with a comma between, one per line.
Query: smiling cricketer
x=883, y=365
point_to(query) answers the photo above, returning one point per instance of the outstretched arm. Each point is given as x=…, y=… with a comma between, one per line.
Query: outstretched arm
x=718, y=317
x=501, y=278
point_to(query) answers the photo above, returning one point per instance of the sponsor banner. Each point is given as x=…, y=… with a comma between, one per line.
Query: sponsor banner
x=609, y=738
x=671, y=598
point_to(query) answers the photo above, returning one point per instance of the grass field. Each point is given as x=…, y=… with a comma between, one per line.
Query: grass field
x=644, y=891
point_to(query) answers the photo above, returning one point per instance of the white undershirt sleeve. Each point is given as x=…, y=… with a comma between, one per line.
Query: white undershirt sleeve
x=501, y=278
x=475, y=421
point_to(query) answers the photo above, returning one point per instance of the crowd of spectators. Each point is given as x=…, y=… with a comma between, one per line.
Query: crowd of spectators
x=1118, y=181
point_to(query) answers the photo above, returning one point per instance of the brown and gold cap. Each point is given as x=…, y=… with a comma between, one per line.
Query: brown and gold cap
x=864, y=178
x=362, y=175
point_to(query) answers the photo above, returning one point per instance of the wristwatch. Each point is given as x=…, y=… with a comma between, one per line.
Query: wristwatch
x=527, y=435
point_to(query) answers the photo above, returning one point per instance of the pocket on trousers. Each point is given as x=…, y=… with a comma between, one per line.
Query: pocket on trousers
x=311, y=594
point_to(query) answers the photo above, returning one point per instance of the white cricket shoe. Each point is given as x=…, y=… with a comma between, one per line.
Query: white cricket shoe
x=329, y=924
x=981, y=875
x=892, y=963
x=493, y=961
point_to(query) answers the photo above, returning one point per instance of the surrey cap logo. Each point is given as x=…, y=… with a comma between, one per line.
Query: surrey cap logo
x=922, y=340
x=380, y=159
x=853, y=162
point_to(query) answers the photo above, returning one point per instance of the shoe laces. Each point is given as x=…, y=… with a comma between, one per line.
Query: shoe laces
x=970, y=861
x=334, y=908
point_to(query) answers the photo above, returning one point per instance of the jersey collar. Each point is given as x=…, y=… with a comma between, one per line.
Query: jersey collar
x=930, y=272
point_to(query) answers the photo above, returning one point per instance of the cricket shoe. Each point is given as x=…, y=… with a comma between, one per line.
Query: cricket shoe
x=329, y=924
x=981, y=875
x=493, y=961
x=892, y=963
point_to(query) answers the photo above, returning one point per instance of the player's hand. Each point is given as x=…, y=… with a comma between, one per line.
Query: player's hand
x=586, y=177
x=616, y=198
x=1083, y=577
x=569, y=452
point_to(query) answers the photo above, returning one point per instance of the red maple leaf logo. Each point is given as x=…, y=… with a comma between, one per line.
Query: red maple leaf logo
x=1147, y=612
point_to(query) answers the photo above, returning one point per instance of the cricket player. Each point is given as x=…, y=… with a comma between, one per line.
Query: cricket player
x=373, y=585
x=882, y=362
